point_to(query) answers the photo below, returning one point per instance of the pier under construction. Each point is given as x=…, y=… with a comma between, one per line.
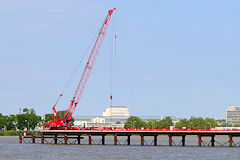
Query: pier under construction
x=75, y=137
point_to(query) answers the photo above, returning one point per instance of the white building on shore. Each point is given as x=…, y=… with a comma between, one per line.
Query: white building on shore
x=114, y=116
x=116, y=111
x=233, y=114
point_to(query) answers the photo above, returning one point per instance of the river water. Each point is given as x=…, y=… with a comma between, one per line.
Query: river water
x=11, y=149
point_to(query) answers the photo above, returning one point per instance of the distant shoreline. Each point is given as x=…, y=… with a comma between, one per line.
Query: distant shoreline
x=16, y=133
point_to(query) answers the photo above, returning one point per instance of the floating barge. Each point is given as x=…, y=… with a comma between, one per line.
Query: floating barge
x=63, y=136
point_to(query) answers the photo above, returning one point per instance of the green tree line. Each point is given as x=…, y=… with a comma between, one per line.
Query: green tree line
x=197, y=122
x=138, y=122
x=134, y=121
x=28, y=120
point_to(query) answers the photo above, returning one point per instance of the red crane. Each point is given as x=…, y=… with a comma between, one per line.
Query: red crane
x=62, y=122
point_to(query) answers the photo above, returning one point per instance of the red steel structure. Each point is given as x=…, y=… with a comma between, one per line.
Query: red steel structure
x=63, y=122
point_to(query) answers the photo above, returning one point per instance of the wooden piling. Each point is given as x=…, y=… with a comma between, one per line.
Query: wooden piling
x=115, y=139
x=183, y=140
x=230, y=140
x=142, y=140
x=78, y=139
x=42, y=139
x=212, y=140
x=89, y=140
x=199, y=140
x=33, y=138
x=20, y=138
x=170, y=140
x=103, y=139
x=55, y=139
x=128, y=140
x=65, y=139
x=155, y=140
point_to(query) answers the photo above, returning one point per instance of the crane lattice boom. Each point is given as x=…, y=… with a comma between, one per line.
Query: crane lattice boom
x=87, y=71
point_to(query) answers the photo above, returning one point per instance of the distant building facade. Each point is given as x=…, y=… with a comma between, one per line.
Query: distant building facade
x=221, y=121
x=98, y=120
x=91, y=122
x=114, y=116
x=19, y=110
x=116, y=111
x=233, y=114
x=118, y=121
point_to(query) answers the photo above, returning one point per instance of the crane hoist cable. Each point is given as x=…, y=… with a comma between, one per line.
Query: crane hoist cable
x=76, y=68
x=115, y=36
x=113, y=54
x=111, y=61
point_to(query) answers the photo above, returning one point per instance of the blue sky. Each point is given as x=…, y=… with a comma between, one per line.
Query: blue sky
x=178, y=58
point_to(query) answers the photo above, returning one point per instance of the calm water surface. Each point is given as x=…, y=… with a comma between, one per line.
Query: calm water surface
x=11, y=149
